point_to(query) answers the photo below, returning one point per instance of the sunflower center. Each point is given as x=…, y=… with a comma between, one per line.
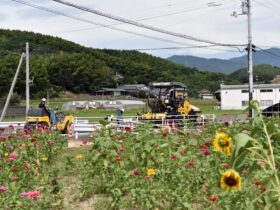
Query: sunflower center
x=231, y=181
x=226, y=144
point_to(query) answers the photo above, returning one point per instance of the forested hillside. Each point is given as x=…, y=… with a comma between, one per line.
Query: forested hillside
x=57, y=65
x=262, y=73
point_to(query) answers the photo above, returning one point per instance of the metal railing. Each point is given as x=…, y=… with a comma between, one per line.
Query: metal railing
x=91, y=124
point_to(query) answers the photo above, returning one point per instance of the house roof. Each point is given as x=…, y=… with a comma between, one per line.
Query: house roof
x=246, y=86
x=110, y=90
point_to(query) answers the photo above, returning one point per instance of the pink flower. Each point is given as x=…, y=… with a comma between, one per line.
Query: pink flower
x=26, y=166
x=181, y=151
x=121, y=149
x=3, y=188
x=31, y=194
x=11, y=159
x=14, y=155
x=14, y=178
x=191, y=164
x=205, y=151
x=51, y=143
x=148, y=177
x=11, y=126
x=8, y=147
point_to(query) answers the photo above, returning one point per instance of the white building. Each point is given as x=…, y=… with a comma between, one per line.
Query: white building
x=237, y=96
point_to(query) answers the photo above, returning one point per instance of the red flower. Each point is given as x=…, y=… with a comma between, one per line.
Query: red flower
x=256, y=182
x=11, y=126
x=84, y=142
x=173, y=157
x=245, y=172
x=15, y=170
x=118, y=159
x=120, y=149
x=205, y=151
x=208, y=144
x=191, y=164
x=156, y=146
x=225, y=165
x=213, y=198
x=122, y=138
x=164, y=134
x=181, y=151
x=262, y=188
x=136, y=173
x=33, y=139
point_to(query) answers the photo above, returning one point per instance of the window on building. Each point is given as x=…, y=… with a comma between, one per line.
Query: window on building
x=245, y=103
x=266, y=102
x=266, y=90
x=244, y=91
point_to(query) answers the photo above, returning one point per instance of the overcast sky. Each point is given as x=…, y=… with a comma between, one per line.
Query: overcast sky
x=195, y=18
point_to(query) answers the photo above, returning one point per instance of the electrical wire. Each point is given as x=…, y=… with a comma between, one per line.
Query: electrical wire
x=127, y=21
x=149, y=18
x=209, y=47
x=98, y=24
x=268, y=52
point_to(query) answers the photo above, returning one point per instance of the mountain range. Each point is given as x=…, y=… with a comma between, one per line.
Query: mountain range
x=270, y=56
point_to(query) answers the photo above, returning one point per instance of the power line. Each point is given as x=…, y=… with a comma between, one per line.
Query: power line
x=152, y=17
x=95, y=23
x=268, y=52
x=208, y=47
x=144, y=26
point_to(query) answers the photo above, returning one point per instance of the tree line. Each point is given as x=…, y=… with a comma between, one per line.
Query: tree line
x=59, y=65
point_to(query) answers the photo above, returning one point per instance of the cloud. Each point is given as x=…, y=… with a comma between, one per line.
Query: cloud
x=193, y=18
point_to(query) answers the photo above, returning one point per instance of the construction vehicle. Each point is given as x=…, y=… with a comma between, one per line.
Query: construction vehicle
x=169, y=100
x=59, y=121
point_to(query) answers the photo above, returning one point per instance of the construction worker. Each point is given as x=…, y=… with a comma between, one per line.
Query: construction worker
x=120, y=111
x=42, y=105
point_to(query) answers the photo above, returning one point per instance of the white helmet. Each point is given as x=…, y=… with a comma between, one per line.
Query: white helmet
x=43, y=99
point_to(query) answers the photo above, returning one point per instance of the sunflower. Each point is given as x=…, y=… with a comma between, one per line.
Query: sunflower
x=222, y=143
x=231, y=179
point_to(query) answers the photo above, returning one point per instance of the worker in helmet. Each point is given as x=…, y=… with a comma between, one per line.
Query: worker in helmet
x=43, y=105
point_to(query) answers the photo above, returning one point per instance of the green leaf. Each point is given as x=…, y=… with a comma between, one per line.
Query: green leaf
x=242, y=141
x=270, y=127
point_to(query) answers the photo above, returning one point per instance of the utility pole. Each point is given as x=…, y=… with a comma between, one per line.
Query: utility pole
x=250, y=56
x=27, y=78
x=11, y=89
x=246, y=10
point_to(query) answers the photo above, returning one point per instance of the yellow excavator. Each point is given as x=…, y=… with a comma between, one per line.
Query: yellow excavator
x=59, y=121
x=168, y=100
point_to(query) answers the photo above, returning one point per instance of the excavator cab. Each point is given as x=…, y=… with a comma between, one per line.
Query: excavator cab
x=168, y=100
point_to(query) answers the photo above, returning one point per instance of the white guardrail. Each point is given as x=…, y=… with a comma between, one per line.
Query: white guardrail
x=87, y=125
x=11, y=127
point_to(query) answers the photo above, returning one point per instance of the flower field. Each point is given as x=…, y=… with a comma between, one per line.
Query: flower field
x=235, y=167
